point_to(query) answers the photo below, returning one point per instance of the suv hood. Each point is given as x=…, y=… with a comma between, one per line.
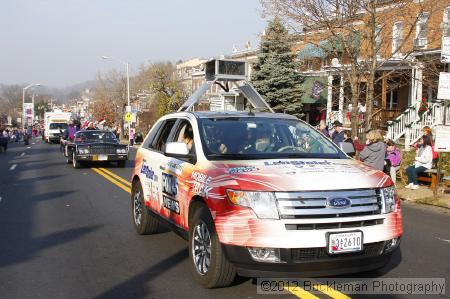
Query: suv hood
x=304, y=174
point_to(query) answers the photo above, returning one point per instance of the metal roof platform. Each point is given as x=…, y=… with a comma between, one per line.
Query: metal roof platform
x=221, y=72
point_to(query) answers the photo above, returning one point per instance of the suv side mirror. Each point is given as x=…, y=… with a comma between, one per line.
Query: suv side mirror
x=176, y=149
x=179, y=150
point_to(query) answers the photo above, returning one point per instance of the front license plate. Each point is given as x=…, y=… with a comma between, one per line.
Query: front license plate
x=102, y=157
x=344, y=242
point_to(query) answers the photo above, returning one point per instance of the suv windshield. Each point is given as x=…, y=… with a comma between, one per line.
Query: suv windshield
x=258, y=138
x=95, y=136
x=55, y=126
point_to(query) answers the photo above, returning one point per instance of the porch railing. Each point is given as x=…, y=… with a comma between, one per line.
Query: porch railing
x=410, y=124
x=382, y=116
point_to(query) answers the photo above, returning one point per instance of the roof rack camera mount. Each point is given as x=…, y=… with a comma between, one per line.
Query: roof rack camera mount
x=221, y=72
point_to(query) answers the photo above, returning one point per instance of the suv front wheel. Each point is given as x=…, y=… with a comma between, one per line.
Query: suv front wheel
x=144, y=222
x=210, y=266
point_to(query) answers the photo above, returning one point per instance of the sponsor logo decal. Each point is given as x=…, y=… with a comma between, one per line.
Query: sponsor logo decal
x=171, y=204
x=148, y=172
x=297, y=163
x=339, y=202
x=242, y=169
x=201, y=183
x=170, y=184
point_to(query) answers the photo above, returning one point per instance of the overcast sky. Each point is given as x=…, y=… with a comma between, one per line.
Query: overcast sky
x=60, y=42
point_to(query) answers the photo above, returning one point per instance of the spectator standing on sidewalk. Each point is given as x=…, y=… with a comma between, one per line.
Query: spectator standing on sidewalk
x=131, y=137
x=394, y=156
x=374, y=152
x=324, y=128
x=338, y=134
x=423, y=161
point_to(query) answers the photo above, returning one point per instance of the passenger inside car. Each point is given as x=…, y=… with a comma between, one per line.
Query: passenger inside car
x=188, y=137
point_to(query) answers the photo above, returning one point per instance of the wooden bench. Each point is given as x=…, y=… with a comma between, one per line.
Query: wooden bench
x=429, y=176
x=446, y=181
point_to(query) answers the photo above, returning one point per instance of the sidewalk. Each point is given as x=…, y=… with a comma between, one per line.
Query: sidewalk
x=424, y=195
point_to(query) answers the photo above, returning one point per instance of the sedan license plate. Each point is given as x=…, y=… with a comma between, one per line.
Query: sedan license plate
x=344, y=242
x=102, y=157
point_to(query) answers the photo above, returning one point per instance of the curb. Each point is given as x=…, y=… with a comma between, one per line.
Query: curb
x=424, y=203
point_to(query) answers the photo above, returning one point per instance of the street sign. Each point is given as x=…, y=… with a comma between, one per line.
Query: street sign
x=444, y=86
x=442, y=142
x=128, y=108
x=445, y=51
x=128, y=117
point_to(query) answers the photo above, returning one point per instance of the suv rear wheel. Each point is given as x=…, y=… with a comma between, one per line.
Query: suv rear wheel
x=144, y=222
x=210, y=266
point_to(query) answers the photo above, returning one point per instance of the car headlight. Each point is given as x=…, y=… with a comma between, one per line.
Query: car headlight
x=262, y=203
x=389, y=199
x=121, y=151
x=83, y=151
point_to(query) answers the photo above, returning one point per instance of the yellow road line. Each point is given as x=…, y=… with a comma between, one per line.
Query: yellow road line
x=301, y=293
x=330, y=291
x=119, y=178
x=112, y=180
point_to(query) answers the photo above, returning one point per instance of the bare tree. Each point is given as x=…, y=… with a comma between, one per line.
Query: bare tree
x=363, y=34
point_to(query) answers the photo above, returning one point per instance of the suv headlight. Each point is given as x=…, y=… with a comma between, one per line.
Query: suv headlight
x=262, y=203
x=389, y=199
x=83, y=151
x=121, y=150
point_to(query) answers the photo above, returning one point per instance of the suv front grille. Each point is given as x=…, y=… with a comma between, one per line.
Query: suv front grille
x=334, y=225
x=314, y=204
x=320, y=253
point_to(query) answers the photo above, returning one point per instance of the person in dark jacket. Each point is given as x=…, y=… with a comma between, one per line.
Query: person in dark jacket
x=338, y=134
x=374, y=152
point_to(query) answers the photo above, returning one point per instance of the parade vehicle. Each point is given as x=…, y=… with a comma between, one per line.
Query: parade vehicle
x=55, y=123
x=90, y=146
x=261, y=194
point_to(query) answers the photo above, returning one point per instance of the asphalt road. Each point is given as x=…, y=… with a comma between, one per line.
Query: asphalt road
x=67, y=233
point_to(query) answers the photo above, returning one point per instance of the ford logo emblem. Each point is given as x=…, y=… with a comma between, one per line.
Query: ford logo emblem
x=339, y=202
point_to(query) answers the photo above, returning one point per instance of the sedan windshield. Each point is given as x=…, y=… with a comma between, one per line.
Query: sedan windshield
x=95, y=136
x=258, y=138
x=55, y=126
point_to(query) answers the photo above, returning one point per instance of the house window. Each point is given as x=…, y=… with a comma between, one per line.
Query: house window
x=421, y=30
x=397, y=37
x=378, y=39
x=446, y=22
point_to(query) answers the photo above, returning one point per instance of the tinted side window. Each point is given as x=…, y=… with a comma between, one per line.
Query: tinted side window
x=151, y=136
x=159, y=143
x=185, y=134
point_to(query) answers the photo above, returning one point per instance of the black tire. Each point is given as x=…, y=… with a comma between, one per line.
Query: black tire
x=75, y=163
x=144, y=222
x=68, y=160
x=121, y=163
x=220, y=272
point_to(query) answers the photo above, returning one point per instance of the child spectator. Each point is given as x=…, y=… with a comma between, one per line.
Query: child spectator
x=393, y=154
